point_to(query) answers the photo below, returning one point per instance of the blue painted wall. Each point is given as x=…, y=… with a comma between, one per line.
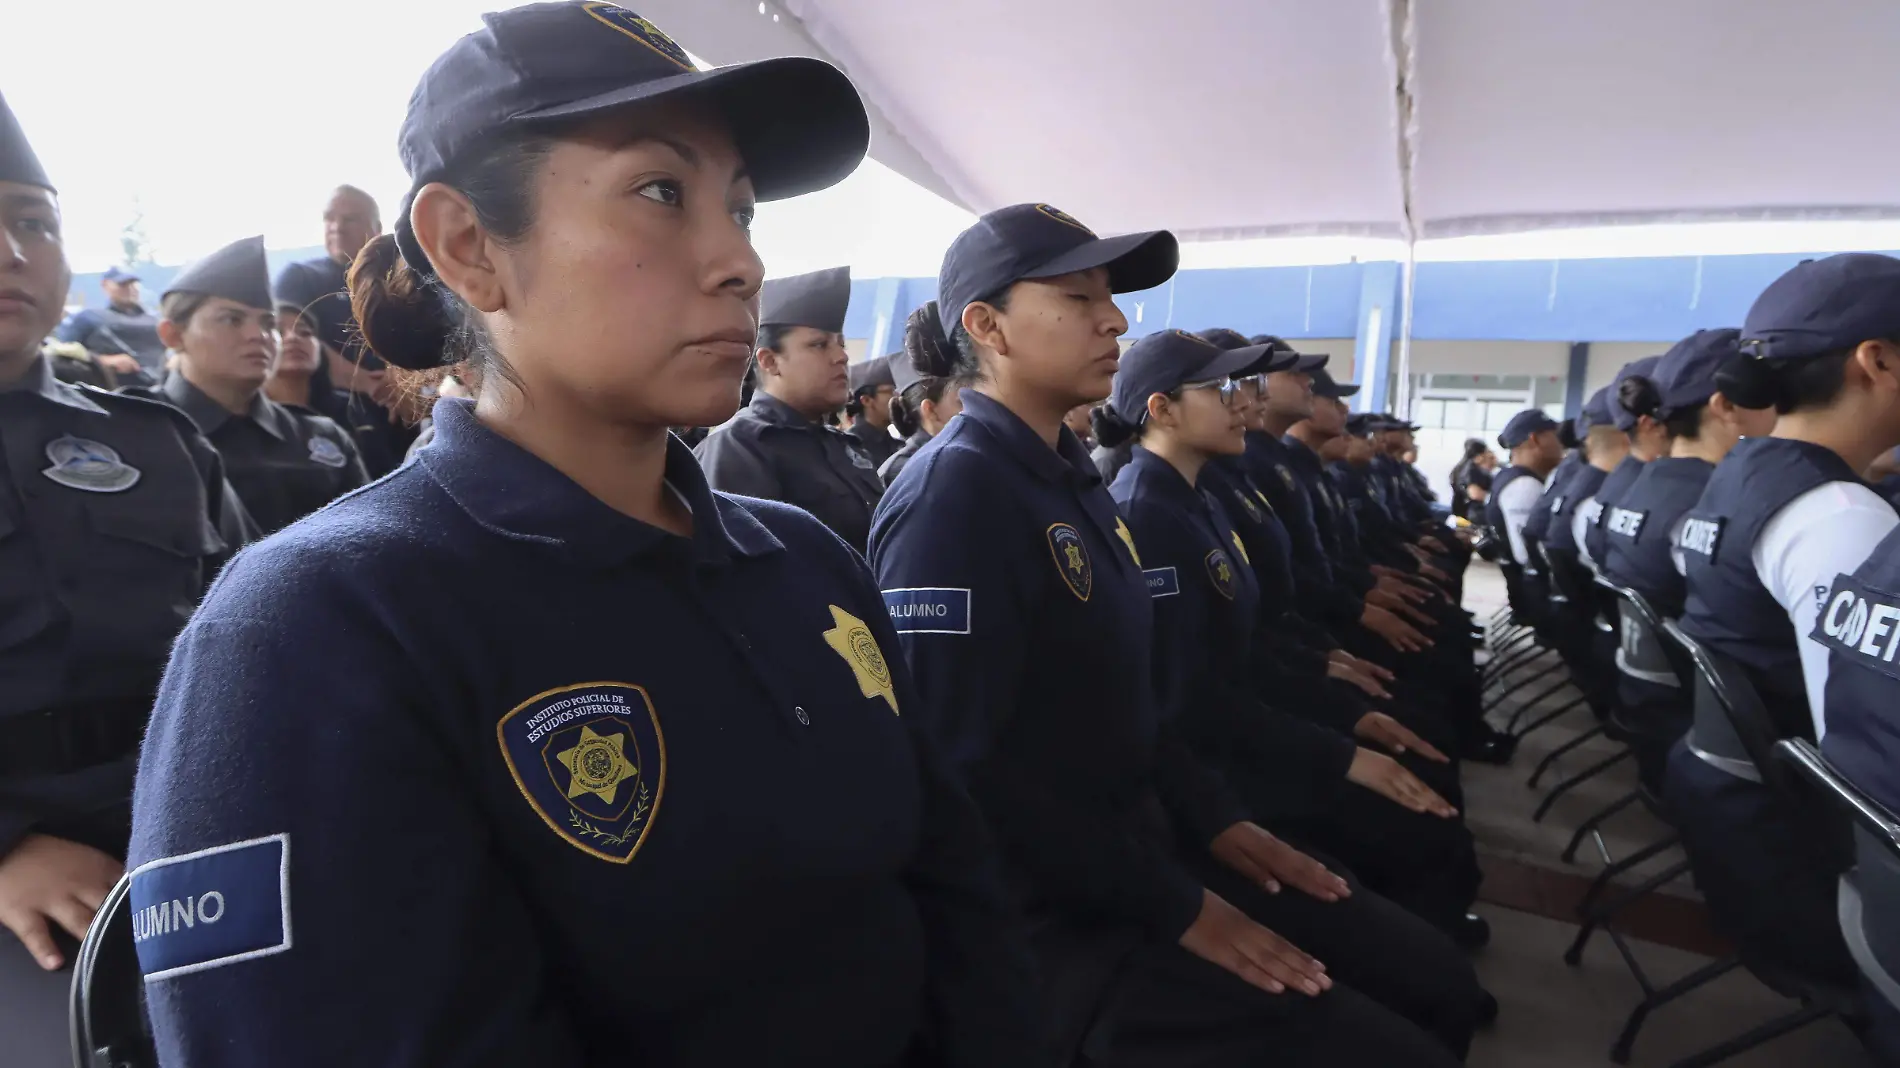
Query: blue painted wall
x=1647, y=299
x=153, y=278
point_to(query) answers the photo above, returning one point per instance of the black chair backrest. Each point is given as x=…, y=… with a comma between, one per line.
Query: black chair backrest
x=1870, y=896
x=1640, y=628
x=109, y=1026
x=1721, y=680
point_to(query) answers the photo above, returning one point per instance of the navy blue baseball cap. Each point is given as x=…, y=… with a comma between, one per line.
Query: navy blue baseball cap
x=1029, y=241
x=1271, y=358
x=1324, y=386
x=1163, y=362
x=120, y=274
x=1596, y=411
x=1685, y=376
x=1823, y=306
x=1288, y=358
x=1523, y=425
x=1625, y=419
x=798, y=122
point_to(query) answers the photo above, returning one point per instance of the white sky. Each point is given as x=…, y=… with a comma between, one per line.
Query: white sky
x=243, y=114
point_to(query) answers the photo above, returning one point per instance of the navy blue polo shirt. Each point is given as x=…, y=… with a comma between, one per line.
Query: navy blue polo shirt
x=566, y=789
x=1206, y=609
x=1019, y=600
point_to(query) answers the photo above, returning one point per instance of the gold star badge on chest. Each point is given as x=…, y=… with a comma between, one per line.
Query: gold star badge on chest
x=598, y=764
x=851, y=639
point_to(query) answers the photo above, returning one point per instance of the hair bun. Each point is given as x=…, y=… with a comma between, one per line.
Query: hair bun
x=926, y=343
x=400, y=315
x=1111, y=430
x=1750, y=382
x=1639, y=396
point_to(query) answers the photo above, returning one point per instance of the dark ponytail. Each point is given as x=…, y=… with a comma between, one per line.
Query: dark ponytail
x=1111, y=430
x=907, y=408
x=1784, y=385
x=408, y=317
x=1639, y=396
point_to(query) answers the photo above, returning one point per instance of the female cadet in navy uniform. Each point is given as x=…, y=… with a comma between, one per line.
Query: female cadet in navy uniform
x=218, y=318
x=1636, y=418
x=1178, y=396
x=1858, y=626
x=1760, y=550
x=778, y=446
x=1702, y=425
x=114, y=516
x=924, y=403
x=1018, y=594
x=619, y=776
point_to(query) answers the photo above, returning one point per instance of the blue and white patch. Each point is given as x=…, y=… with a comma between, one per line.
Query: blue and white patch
x=82, y=464
x=1162, y=581
x=929, y=610
x=1861, y=623
x=1626, y=523
x=859, y=458
x=214, y=907
x=326, y=452
x=1699, y=536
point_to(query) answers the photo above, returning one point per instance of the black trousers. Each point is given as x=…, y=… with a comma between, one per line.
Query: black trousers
x=1770, y=886
x=33, y=1006
x=1368, y=943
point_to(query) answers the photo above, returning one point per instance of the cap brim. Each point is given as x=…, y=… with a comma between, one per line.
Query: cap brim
x=1341, y=392
x=798, y=122
x=1307, y=363
x=1135, y=261
x=1230, y=363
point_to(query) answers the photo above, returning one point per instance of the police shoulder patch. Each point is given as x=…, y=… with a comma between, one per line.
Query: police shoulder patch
x=929, y=610
x=213, y=907
x=591, y=761
x=1220, y=572
x=626, y=22
x=1162, y=581
x=1072, y=559
x=1862, y=624
x=1286, y=475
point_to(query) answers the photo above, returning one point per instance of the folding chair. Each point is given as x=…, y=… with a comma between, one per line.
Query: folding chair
x=109, y=1025
x=1870, y=893
x=1735, y=731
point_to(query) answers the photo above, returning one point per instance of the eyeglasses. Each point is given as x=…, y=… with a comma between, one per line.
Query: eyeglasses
x=1228, y=388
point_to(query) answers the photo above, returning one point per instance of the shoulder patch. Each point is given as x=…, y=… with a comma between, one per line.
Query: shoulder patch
x=1071, y=556
x=1162, y=582
x=84, y=464
x=213, y=907
x=929, y=610
x=591, y=761
x=1220, y=572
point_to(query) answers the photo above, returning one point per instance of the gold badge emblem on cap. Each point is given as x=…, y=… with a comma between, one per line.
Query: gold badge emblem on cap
x=1064, y=217
x=852, y=640
x=620, y=19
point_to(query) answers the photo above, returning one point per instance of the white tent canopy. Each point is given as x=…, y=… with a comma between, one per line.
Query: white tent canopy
x=1403, y=118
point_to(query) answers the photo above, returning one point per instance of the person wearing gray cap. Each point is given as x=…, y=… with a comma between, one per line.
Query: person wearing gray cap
x=114, y=518
x=217, y=318
x=869, y=407
x=778, y=446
